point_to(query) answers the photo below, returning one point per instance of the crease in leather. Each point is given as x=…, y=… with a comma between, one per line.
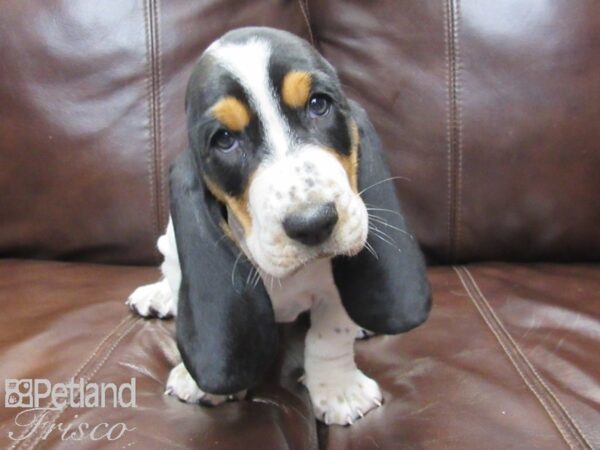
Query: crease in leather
x=454, y=127
x=154, y=80
x=571, y=432
x=306, y=15
x=78, y=371
x=106, y=347
x=134, y=321
x=288, y=411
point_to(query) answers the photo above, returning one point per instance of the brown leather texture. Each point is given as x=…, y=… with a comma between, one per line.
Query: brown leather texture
x=508, y=359
x=488, y=112
x=92, y=113
x=488, y=108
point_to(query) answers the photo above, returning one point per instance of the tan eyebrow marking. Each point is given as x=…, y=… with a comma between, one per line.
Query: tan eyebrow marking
x=295, y=88
x=232, y=113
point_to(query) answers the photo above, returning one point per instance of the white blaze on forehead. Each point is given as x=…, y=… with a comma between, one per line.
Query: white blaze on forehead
x=248, y=63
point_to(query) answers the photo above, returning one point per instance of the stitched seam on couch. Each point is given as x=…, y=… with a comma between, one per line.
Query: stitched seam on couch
x=531, y=366
x=89, y=377
x=564, y=422
x=154, y=93
x=103, y=350
x=77, y=372
x=453, y=127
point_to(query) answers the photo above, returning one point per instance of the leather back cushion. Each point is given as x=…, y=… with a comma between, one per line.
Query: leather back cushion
x=489, y=109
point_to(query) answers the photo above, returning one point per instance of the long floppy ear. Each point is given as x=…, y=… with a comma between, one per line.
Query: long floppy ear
x=225, y=324
x=387, y=292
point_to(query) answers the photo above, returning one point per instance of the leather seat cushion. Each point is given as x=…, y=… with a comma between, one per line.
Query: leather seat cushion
x=508, y=358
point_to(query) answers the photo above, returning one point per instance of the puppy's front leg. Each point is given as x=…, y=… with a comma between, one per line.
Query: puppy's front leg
x=339, y=391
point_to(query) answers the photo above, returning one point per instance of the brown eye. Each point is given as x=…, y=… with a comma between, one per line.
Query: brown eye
x=224, y=140
x=319, y=105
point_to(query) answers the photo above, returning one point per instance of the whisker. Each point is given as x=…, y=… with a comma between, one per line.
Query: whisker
x=383, y=181
x=384, y=210
x=384, y=240
x=250, y=276
x=371, y=250
x=393, y=245
x=384, y=223
x=237, y=260
x=377, y=219
x=382, y=237
x=383, y=233
x=256, y=280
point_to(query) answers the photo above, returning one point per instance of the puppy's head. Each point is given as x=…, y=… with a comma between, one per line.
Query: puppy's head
x=272, y=134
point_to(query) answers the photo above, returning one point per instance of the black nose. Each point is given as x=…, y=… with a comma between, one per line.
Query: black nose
x=313, y=225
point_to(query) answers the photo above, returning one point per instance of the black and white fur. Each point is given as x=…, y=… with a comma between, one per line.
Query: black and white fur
x=228, y=293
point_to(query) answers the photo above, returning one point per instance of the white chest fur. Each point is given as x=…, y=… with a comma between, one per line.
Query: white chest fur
x=300, y=291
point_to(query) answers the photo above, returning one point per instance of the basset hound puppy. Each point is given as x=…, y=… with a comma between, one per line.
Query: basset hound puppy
x=282, y=203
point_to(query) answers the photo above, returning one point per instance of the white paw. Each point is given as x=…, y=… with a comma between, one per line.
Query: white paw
x=344, y=398
x=181, y=385
x=153, y=300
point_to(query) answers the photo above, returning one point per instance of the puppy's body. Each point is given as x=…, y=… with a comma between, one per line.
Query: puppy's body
x=269, y=218
x=340, y=392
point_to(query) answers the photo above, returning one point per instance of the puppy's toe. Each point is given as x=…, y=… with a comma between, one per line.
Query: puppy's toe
x=181, y=385
x=344, y=398
x=153, y=300
x=364, y=334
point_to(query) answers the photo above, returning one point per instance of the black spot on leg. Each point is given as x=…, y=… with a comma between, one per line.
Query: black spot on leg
x=337, y=330
x=347, y=330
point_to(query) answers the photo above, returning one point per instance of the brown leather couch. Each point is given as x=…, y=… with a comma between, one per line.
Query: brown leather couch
x=490, y=109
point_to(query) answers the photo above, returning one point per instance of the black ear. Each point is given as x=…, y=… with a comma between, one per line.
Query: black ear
x=387, y=292
x=225, y=323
